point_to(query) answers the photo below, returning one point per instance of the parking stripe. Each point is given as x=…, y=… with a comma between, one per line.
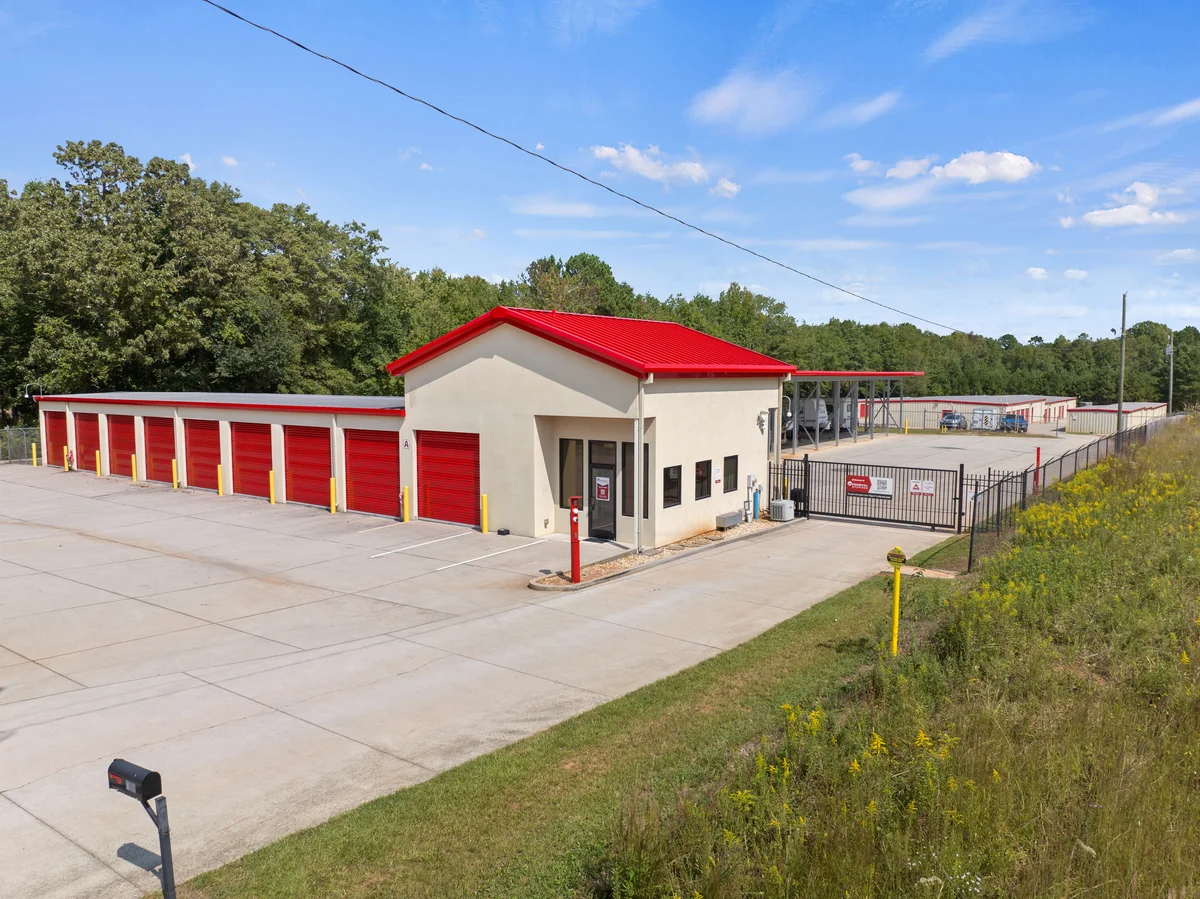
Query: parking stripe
x=489, y=555
x=416, y=545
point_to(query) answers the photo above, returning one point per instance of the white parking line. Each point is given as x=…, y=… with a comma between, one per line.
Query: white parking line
x=426, y=543
x=489, y=555
x=390, y=524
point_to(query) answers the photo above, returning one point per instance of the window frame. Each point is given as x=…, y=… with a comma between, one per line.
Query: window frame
x=678, y=478
x=729, y=484
x=627, y=482
x=707, y=481
x=564, y=495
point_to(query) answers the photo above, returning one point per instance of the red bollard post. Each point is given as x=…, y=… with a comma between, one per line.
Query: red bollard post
x=1037, y=471
x=575, y=501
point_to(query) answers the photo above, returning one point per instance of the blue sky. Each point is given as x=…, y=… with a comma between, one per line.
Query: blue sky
x=1004, y=166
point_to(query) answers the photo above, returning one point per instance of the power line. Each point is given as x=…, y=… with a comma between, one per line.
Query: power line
x=570, y=171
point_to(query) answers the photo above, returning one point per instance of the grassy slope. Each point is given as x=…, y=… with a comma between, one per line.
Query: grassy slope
x=535, y=818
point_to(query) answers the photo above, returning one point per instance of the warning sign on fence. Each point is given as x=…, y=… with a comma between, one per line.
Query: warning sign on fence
x=917, y=487
x=868, y=485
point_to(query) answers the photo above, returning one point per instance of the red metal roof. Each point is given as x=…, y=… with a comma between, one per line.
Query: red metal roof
x=636, y=346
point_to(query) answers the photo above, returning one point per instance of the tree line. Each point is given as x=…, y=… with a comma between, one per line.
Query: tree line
x=120, y=275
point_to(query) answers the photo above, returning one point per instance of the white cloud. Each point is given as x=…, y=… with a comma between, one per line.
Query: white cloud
x=884, y=197
x=575, y=18
x=861, y=113
x=1159, y=118
x=473, y=234
x=650, y=164
x=302, y=195
x=831, y=244
x=910, y=168
x=540, y=146
x=583, y=234
x=1075, y=274
x=978, y=167
x=409, y=152
x=1036, y=272
x=1145, y=194
x=860, y=165
x=1178, y=257
x=554, y=208
x=1006, y=21
x=229, y=161
x=725, y=188
x=753, y=105
x=186, y=158
x=1140, y=212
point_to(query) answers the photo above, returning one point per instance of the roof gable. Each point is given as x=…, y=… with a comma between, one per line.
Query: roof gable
x=636, y=346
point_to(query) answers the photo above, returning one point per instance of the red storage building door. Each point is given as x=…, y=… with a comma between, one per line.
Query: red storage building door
x=251, y=458
x=373, y=472
x=56, y=437
x=121, y=445
x=202, y=443
x=448, y=476
x=306, y=459
x=87, y=439
x=160, y=447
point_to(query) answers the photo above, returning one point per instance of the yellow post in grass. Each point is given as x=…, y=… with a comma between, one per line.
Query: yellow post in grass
x=906, y=426
x=332, y=496
x=483, y=513
x=174, y=474
x=271, y=486
x=97, y=463
x=34, y=448
x=896, y=558
x=220, y=482
x=66, y=464
x=404, y=491
x=133, y=466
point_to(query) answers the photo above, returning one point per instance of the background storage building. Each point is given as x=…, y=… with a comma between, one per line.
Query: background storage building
x=1103, y=419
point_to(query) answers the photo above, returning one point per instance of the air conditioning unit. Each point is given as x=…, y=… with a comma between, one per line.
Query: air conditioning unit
x=782, y=510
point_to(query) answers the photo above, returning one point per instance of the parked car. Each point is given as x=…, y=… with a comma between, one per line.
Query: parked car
x=953, y=421
x=1014, y=422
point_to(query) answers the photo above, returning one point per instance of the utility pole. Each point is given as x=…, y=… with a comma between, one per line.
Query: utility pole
x=1171, y=374
x=1121, y=382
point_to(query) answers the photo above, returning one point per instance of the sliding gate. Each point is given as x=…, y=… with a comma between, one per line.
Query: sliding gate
x=930, y=497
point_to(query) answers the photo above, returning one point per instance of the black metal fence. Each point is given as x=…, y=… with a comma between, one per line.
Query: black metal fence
x=16, y=444
x=931, y=497
x=993, y=502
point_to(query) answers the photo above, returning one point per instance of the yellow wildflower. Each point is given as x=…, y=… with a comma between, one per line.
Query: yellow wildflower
x=877, y=745
x=922, y=741
x=1183, y=657
x=995, y=775
x=855, y=767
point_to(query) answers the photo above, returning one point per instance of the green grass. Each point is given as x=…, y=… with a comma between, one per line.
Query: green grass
x=949, y=555
x=537, y=818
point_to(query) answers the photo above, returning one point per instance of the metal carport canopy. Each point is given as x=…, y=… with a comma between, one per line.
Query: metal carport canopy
x=817, y=378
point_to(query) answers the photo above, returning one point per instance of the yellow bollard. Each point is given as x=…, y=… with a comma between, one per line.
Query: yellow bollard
x=34, y=448
x=97, y=463
x=906, y=426
x=405, y=494
x=896, y=558
x=133, y=466
x=174, y=474
x=220, y=482
x=66, y=465
x=333, y=496
x=271, y=486
x=483, y=523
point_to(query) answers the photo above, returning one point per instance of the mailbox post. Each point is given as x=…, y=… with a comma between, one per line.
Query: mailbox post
x=143, y=785
x=896, y=558
x=575, y=501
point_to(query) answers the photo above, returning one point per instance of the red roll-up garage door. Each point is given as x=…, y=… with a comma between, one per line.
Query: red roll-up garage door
x=373, y=472
x=202, y=442
x=251, y=458
x=160, y=447
x=306, y=459
x=448, y=476
x=87, y=439
x=121, y=445
x=56, y=437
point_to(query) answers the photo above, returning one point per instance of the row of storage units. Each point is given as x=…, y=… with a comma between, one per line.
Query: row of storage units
x=317, y=450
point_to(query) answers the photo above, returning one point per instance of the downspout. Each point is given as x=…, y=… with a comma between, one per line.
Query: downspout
x=639, y=437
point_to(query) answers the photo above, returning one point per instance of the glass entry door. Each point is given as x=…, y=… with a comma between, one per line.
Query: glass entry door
x=602, y=489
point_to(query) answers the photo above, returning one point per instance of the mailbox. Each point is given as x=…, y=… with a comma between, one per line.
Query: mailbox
x=134, y=780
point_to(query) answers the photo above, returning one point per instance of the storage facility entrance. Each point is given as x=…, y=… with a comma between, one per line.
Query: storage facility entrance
x=121, y=445
x=251, y=458
x=448, y=476
x=373, y=472
x=159, y=434
x=202, y=445
x=56, y=437
x=308, y=463
x=87, y=440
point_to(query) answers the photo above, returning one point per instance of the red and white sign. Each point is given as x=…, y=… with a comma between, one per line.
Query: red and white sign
x=918, y=487
x=867, y=485
x=602, y=490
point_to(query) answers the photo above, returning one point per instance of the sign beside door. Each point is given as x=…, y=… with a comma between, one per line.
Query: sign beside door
x=868, y=485
x=602, y=489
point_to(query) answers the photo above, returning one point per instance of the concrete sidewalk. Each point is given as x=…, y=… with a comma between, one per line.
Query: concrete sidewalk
x=280, y=665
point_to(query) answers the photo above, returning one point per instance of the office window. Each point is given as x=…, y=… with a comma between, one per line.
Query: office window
x=704, y=479
x=672, y=486
x=570, y=471
x=627, y=480
x=729, y=474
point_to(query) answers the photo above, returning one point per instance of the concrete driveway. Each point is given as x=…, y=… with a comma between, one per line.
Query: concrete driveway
x=279, y=665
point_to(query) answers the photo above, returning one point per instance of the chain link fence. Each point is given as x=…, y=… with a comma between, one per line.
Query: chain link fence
x=16, y=444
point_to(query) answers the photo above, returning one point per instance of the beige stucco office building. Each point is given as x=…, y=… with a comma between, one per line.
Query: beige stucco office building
x=531, y=407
